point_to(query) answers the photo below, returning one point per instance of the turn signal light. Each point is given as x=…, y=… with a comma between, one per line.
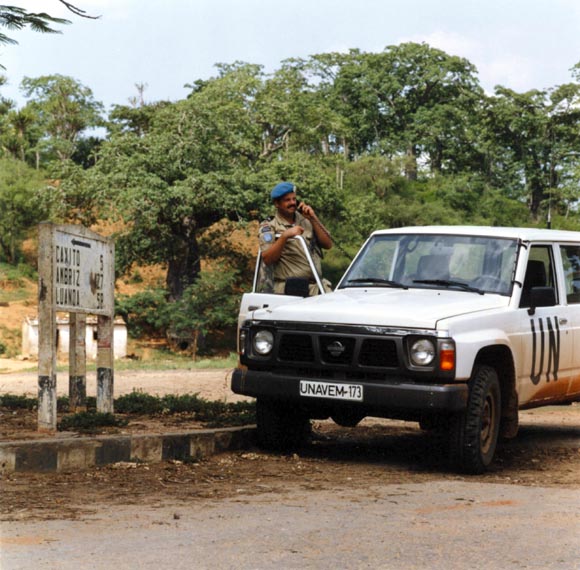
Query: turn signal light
x=447, y=356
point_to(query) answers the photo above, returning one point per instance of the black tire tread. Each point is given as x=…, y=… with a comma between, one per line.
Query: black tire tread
x=280, y=428
x=465, y=429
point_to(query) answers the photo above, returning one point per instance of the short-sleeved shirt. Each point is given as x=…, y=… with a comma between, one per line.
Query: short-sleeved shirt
x=292, y=262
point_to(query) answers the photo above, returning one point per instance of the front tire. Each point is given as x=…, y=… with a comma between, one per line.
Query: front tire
x=280, y=427
x=473, y=434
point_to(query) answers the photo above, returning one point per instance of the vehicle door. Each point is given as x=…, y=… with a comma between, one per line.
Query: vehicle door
x=547, y=340
x=570, y=254
x=262, y=295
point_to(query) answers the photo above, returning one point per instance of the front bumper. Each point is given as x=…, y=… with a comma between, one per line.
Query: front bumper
x=395, y=396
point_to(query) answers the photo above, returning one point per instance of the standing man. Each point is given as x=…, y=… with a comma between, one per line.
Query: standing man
x=284, y=254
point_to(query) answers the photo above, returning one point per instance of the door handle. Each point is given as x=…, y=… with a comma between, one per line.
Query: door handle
x=563, y=321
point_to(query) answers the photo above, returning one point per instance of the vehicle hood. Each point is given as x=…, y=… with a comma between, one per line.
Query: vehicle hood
x=411, y=308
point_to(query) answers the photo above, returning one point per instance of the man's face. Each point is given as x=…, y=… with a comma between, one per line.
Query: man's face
x=286, y=205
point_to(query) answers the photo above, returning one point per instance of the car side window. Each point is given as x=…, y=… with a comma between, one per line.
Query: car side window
x=539, y=272
x=571, y=264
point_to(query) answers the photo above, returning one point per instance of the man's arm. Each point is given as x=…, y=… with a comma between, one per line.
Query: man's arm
x=321, y=233
x=274, y=252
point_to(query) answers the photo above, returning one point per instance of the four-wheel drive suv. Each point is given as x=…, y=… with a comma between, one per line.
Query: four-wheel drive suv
x=457, y=328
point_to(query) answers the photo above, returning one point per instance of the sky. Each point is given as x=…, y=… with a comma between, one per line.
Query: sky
x=519, y=44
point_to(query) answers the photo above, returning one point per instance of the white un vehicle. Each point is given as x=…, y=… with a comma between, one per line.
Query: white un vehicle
x=456, y=328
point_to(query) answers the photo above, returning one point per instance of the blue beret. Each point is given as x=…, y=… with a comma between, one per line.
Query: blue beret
x=281, y=190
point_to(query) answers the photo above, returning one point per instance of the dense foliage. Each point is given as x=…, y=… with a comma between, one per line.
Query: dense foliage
x=406, y=136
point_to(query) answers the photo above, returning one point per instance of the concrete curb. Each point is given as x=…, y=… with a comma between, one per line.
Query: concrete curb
x=72, y=454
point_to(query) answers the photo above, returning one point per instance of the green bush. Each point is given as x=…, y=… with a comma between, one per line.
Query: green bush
x=14, y=402
x=145, y=313
x=138, y=403
x=222, y=414
x=90, y=421
x=212, y=413
x=174, y=404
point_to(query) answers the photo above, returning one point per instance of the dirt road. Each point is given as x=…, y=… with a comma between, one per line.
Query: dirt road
x=372, y=497
x=377, y=452
x=376, y=496
x=438, y=525
x=211, y=384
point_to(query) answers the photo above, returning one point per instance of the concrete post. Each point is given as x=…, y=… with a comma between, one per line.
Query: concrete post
x=77, y=381
x=105, y=358
x=46, y=334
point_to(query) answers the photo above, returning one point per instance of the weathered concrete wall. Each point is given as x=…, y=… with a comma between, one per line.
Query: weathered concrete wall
x=30, y=337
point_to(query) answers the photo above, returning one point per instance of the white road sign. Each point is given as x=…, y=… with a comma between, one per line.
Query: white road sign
x=83, y=271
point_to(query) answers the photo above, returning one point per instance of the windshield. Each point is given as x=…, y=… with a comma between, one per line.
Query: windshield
x=473, y=264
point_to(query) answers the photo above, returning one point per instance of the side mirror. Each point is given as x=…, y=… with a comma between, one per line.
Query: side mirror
x=541, y=297
x=297, y=287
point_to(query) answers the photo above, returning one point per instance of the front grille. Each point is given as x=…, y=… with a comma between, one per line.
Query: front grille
x=338, y=355
x=296, y=348
x=379, y=352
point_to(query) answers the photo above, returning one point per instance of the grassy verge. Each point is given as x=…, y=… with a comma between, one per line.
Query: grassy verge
x=15, y=282
x=139, y=404
x=165, y=361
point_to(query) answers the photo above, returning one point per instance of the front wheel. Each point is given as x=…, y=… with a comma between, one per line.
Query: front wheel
x=473, y=434
x=280, y=426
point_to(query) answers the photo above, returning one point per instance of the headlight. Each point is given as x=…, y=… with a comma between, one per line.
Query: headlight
x=422, y=352
x=263, y=342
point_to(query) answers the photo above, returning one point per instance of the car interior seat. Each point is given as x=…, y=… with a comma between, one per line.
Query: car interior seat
x=535, y=277
x=433, y=267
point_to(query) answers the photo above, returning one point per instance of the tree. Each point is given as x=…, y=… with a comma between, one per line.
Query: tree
x=65, y=109
x=16, y=18
x=533, y=138
x=21, y=134
x=20, y=186
x=210, y=304
x=174, y=169
x=408, y=100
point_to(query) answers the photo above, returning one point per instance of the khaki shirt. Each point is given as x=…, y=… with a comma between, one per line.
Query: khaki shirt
x=292, y=262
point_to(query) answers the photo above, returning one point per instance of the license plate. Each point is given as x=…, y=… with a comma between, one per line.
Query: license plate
x=311, y=389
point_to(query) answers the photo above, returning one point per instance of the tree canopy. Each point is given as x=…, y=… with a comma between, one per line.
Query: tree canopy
x=403, y=136
x=15, y=18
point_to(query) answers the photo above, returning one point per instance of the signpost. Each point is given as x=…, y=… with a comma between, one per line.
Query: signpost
x=76, y=275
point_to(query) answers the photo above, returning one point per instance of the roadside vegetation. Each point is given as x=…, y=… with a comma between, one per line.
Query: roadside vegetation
x=131, y=407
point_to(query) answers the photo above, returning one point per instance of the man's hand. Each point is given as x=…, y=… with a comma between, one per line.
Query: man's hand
x=273, y=253
x=321, y=232
x=307, y=211
x=292, y=232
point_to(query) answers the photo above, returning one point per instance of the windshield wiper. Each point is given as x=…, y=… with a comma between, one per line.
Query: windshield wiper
x=378, y=281
x=448, y=283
